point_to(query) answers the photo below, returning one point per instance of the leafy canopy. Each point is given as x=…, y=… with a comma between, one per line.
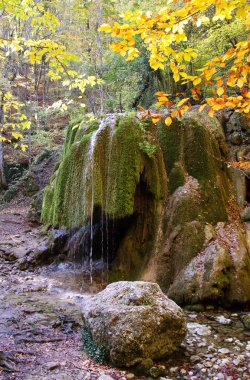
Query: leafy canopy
x=165, y=37
x=29, y=36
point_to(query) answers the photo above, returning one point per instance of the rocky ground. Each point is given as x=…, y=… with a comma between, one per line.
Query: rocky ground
x=40, y=322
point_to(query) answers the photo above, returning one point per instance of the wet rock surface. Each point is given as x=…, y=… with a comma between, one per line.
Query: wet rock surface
x=40, y=326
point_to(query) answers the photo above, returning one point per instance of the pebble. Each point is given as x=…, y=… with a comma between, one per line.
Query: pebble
x=220, y=375
x=224, y=350
x=224, y=321
x=52, y=365
x=105, y=377
x=229, y=340
x=195, y=359
x=173, y=369
x=201, y=330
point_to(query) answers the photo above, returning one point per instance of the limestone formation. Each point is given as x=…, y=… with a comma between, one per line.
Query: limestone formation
x=156, y=203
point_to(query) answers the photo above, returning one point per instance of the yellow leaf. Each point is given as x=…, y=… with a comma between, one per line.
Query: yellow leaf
x=241, y=82
x=187, y=57
x=202, y=107
x=16, y=135
x=168, y=121
x=182, y=102
x=211, y=112
x=105, y=28
x=176, y=77
x=220, y=91
x=196, y=81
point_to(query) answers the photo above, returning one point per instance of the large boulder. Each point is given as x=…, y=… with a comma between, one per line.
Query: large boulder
x=132, y=322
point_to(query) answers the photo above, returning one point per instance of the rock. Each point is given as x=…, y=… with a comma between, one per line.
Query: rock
x=201, y=330
x=35, y=209
x=105, y=377
x=236, y=138
x=224, y=115
x=184, y=191
x=239, y=182
x=210, y=233
x=133, y=322
x=223, y=351
x=245, y=319
x=224, y=321
x=30, y=184
x=10, y=193
x=44, y=155
x=52, y=365
x=156, y=372
x=238, y=122
x=245, y=214
x=195, y=359
x=220, y=376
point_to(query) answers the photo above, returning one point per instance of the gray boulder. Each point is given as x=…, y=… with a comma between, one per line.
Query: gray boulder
x=132, y=322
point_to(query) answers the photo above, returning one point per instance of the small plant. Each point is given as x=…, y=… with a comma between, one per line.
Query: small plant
x=148, y=148
x=98, y=353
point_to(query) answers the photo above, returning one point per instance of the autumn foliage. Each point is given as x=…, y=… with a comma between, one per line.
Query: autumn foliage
x=164, y=35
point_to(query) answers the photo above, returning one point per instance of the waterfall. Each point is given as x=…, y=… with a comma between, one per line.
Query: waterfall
x=89, y=173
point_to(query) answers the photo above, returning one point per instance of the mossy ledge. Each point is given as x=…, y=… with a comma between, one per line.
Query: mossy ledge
x=102, y=165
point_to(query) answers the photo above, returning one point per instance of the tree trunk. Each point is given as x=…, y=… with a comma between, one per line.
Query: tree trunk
x=3, y=183
x=100, y=54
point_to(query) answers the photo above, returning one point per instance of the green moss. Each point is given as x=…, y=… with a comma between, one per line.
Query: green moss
x=170, y=140
x=198, y=308
x=97, y=352
x=10, y=193
x=106, y=176
x=193, y=149
x=176, y=177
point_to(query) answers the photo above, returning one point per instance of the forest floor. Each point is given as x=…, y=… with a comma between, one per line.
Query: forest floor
x=40, y=323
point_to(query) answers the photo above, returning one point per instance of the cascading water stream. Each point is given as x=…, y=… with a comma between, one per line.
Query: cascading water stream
x=110, y=123
x=91, y=161
x=112, y=132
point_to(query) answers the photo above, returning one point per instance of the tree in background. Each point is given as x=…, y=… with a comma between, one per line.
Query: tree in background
x=222, y=81
x=31, y=55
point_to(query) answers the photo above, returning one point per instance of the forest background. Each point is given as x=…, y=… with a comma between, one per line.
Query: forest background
x=57, y=65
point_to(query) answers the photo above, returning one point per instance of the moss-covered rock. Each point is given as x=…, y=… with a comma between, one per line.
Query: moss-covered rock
x=172, y=190
x=101, y=168
x=133, y=322
x=10, y=193
x=35, y=208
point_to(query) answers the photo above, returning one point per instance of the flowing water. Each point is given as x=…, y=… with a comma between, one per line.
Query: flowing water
x=108, y=124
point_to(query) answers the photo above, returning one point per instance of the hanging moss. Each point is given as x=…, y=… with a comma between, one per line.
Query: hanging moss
x=102, y=167
x=192, y=148
x=176, y=177
x=170, y=140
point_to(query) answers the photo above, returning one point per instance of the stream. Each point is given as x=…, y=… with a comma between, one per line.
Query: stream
x=40, y=322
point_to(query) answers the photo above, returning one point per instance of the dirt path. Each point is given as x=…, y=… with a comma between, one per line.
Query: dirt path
x=40, y=318
x=40, y=335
